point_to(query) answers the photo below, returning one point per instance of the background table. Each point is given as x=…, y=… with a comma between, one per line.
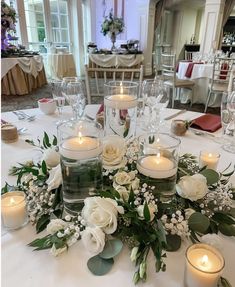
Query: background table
x=19, y=76
x=39, y=268
x=61, y=65
x=201, y=75
x=112, y=60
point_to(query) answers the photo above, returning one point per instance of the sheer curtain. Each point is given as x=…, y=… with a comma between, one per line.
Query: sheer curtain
x=229, y=5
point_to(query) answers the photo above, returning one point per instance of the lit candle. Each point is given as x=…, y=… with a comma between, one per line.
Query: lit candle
x=209, y=159
x=203, y=266
x=121, y=101
x=81, y=147
x=156, y=166
x=13, y=209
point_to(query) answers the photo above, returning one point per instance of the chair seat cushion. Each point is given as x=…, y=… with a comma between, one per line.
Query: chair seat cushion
x=219, y=87
x=184, y=83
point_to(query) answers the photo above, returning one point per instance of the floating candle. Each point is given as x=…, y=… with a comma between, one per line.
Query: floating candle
x=121, y=101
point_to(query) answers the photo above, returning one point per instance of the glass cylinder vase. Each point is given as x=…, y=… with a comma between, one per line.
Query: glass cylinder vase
x=121, y=108
x=80, y=148
x=158, y=162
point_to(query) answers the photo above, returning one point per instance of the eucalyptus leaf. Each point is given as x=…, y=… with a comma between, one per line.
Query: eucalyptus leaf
x=223, y=218
x=198, y=222
x=173, y=242
x=44, y=167
x=111, y=248
x=54, y=142
x=211, y=175
x=226, y=229
x=99, y=266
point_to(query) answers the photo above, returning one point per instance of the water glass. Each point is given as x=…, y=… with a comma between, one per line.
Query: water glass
x=58, y=96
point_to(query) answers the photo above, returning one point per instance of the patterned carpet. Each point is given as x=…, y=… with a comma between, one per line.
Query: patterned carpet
x=11, y=103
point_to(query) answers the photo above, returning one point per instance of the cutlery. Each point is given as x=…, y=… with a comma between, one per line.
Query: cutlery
x=201, y=133
x=175, y=115
x=22, y=116
x=19, y=116
x=21, y=130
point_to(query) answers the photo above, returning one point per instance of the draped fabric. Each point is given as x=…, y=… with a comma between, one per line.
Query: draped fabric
x=229, y=5
x=159, y=11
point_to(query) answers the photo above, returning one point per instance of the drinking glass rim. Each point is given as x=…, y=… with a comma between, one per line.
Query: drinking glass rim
x=129, y=84
x=166, y=134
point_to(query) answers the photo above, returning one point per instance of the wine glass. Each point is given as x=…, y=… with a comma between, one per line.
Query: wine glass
x=58, y=96
x=156, y=98
x=230, y=146
x=76, y=99
x=225, y=120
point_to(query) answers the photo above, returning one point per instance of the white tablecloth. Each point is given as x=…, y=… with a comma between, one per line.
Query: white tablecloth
x=116, y=60
x=61, y=65
x=39, y=268
x=201, y=75
x=30, y=65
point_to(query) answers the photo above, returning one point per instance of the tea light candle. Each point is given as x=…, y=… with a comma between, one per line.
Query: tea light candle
x=156, y=166
x=209, y=159
x=13, y=209
x=203, y=266
x=81, y=147
x=121, y=101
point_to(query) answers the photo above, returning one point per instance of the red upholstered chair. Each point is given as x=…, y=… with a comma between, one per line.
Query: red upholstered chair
x=222, y=69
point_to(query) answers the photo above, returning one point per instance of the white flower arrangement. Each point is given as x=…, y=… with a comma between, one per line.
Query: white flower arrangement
x=127, y=210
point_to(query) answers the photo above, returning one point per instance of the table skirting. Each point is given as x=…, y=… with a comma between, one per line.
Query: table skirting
x=116, y=60
x=70, y=269
x=61, y=65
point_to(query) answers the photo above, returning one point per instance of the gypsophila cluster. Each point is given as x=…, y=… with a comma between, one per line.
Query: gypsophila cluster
x=39, y=199
x=144, y=194
x=132, y=151
x=218, y=200
x=176, y=224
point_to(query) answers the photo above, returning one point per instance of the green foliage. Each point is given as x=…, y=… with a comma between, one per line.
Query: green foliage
x=99, y=266
x=211, y=176
x=42, y=222
x=112, y=248
x=198, y=222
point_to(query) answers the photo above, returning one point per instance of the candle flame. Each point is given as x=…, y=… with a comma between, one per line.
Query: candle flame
x=80, y=139
x=158, y=158
x=121, y=89
x=204, y=260
x=210, y=154
x=12, y=200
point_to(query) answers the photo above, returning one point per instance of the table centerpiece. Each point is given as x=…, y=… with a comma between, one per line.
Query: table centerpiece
x=125, y=210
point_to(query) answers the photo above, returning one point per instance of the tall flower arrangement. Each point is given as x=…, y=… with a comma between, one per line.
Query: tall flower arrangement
x=112, y=26
x=8, y=20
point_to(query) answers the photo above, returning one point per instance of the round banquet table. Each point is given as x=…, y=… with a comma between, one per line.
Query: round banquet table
x=40, y=268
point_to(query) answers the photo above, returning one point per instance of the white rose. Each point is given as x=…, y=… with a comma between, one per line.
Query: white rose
x=135, y=184
x=51, y=157
x=124, y=193
x=55, y=178
x=152, y=210
x=101, y=212
x=213, y=240
x=56, y=251
x=55, y=225
x=122, y=178
x=94, y=239
x=192, y=187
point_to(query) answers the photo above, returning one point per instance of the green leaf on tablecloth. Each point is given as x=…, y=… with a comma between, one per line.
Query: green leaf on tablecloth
x=42, y=222
x=211, y=175
x=223, y=282
x=173, y=242
x=41, y=243
x=44, y=167
x=111, y=248
x=99, y=266
x=227, y=229
x=46, y=141
x=146, y=212
x=198, y=222
x=54, y=142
